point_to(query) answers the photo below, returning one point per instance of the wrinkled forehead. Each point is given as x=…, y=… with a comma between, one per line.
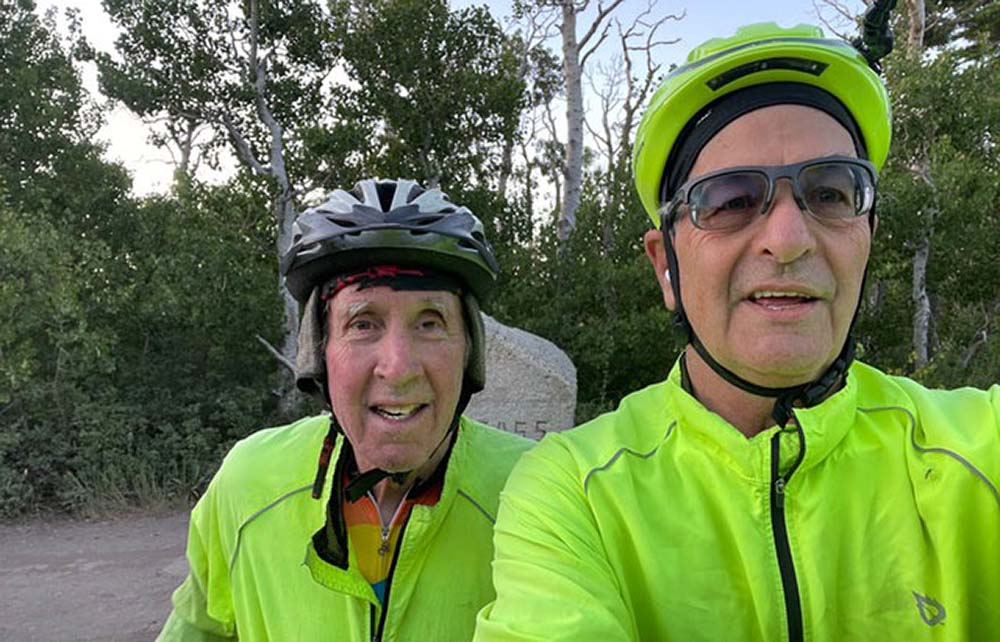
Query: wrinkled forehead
x=355, y=299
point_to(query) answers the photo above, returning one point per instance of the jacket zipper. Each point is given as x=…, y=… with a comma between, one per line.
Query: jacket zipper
x=377, y=632
x=789, y=584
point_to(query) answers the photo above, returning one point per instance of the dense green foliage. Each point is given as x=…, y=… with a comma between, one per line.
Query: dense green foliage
x=128, y=353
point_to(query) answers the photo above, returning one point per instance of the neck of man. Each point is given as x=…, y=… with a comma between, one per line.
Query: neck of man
x=389, y=495
x=748, y=413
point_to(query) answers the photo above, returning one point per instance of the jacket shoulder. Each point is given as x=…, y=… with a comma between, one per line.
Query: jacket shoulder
x=271, y=463
x=485, y=456
x=638, y=425
x=960, y=409
x=964, y=421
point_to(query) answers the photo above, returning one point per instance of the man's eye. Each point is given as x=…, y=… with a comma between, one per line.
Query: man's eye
x=432, y=323
x=829, y=195
x=361, y=325
x=743, y=202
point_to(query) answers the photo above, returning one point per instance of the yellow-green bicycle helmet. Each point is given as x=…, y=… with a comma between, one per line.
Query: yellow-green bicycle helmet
x=758, y=54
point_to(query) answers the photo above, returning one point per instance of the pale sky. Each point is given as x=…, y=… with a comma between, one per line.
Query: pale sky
x=127, y=137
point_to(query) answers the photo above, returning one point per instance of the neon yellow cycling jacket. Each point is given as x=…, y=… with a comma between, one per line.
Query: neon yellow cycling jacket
x=255, y=574
x=660, y=521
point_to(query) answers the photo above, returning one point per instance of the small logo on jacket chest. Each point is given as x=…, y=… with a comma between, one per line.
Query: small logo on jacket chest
x=931, y=611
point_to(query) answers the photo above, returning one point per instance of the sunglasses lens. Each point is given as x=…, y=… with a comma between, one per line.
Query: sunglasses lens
x=729, y=201
x=837, y=190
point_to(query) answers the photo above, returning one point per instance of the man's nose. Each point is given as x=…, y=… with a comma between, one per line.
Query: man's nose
x=786, y=233
x=396, y=358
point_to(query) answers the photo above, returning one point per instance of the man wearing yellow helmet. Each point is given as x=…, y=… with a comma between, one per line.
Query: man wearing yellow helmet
x=771, y=488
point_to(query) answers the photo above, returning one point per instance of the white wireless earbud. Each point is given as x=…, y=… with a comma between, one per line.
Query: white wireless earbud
x=666, y=275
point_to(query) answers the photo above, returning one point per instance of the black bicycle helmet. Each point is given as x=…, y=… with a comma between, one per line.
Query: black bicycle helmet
x=388, y=222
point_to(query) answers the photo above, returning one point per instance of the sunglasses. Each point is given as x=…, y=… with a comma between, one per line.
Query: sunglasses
x=834, y=188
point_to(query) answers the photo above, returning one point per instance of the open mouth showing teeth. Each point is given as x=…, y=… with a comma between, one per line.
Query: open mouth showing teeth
x=398, y=413
x=779, y=300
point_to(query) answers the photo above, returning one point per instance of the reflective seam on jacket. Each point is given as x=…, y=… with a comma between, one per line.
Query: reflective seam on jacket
x=942, y=451
x=239, y=531
x=626, y=449
x=462, y=493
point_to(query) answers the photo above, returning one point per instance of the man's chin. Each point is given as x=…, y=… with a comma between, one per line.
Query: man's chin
x=781, y=363
x=785, y=373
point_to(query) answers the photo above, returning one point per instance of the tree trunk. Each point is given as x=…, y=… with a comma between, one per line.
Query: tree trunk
x=573, y=169
x=921, y=304
x=922, y=312
x=285, y=213
x=506, y=166
x=918, y=24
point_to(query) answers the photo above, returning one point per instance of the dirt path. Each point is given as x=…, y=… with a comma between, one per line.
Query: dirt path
x=89, y=581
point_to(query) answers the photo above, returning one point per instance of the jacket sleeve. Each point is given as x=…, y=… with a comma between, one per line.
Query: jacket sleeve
x=203, y=604
x=552, y=577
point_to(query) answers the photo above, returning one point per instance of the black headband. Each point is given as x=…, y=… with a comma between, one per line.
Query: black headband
x=710, y=120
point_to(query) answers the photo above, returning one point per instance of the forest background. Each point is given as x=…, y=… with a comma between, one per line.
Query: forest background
x=140, y=336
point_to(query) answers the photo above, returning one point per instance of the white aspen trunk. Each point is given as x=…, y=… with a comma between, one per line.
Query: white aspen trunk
x=186, y=145
x=285, y=213
x=573, y=169
x=922, y=313
x=918, y=24
x=921, y=304
x=283, y=206
x=506, y=166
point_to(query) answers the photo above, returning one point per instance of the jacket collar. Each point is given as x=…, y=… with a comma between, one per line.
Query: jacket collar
x=823, y=427
x=333, y=563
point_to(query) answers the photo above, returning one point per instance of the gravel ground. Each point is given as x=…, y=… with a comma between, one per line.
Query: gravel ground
x=106, y=580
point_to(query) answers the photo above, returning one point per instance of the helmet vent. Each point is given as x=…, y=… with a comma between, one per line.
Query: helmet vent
x=426, y=220
x=812, y=67
x=341, y=222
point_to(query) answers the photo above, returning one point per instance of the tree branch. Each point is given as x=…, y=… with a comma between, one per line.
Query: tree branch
x=845, y=14
x=586, y=54
x=602, y=13
x=276, y=354
x=243, y=150
x=257, y=66
x=981, y=337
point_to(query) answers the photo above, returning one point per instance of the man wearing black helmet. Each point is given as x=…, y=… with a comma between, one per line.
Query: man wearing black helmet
x=772, y=488
x=373, y=522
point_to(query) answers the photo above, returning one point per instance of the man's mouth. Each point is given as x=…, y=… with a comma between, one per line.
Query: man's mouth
x=398, y=413
x=781, y=299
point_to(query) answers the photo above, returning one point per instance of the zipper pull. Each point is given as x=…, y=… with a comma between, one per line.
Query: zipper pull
x=779, y=485
x=384, y=547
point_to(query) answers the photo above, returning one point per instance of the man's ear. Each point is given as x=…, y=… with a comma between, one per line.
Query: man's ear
x=656, y=253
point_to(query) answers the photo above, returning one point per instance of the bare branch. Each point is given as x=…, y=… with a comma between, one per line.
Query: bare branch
x=243, y=150
x=981, y=337
x=639, y=36
x=258, y=67
x=586, y=54
x=841, y=9
x=602, y=14
x=276, y=354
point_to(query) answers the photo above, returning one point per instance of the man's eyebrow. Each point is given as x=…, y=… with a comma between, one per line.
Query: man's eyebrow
x=359, y=307
x=435, y=303
x=355, y=308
